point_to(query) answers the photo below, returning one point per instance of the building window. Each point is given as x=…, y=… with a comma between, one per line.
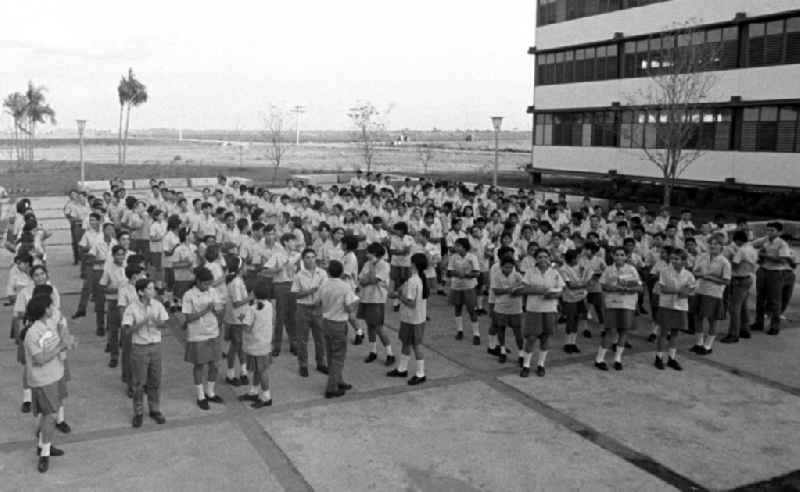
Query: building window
x=552, y=11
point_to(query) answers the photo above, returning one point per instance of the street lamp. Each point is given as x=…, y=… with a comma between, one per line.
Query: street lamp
x=81, y=128
x=497, y=121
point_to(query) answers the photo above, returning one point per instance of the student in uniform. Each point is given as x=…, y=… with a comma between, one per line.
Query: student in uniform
x=775, y=255
x=374, y=281
x=169, y=244
x=305, y=288
x=350, y=274
x=506, y=287
x=57, y=323
x=18, y=278
x=463, y=269
x=45, y=351
x=400, y=244
x=144, y=319
x=183, y=263
x=713, y=273
x=338, y=302
x=744, y=261
x=576, y=279
x=596, y=265
x=282, y=264
x=201, y=304
x=621, y=286
x=95, y=245
x=236, y=301
x=127, y=295
x=675, y=285
x=112, y=279
x=257, y=345
x=413, y=295
x=543, y=285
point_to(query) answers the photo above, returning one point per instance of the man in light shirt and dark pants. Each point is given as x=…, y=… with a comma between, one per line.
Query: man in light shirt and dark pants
x=337, y=301
x=744, y=260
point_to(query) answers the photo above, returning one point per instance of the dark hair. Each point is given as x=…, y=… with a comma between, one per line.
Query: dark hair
x=212, y=253
x=335, y=269
x=376, y=249
x=463, y=242
x=775, y=225
x=24, y=257
x=420, y=261
x=116, y=249
x=132, y=269
x=307, y=251
x=42, y=290
x=202, y=274
x=142, y=284
x=570, y=256
x=350, y=243
x=36, y=309
x=38, y=267
x=740, y=235
x=235, y=264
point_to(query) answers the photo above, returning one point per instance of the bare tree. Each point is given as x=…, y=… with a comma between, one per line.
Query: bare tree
x=680, y=76
x=426, y=155
x=370, y=125
x=277, y=145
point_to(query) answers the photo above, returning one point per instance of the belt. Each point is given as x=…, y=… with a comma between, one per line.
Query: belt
x=146, y=344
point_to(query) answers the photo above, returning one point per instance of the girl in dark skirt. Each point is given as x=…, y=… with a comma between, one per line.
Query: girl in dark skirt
x=257, y=341
x=234, y=319
x=201, y=305
x=675, y=285
x=413, y=295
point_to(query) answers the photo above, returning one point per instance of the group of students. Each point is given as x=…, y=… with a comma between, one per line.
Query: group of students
x=243, y=265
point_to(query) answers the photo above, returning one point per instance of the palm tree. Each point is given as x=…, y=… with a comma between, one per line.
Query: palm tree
x=15, y=104
x=124, y=95
x=37, y=111
x=136, y=94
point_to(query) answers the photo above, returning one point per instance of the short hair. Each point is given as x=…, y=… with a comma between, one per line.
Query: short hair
x=132, y=270
x=116, y=249
x=335, y=269
x=307, y=251
x=775, y=225
x=142, y=284
x=740, y=236
x=376, y=249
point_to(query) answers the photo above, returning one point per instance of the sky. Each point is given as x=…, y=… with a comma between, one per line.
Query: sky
x=447, y=64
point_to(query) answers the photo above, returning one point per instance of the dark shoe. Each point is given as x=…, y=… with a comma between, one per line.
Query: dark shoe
x=480, y=312
x=247, y=397
x=396, y=308
x=576, y=349
x=232, y=381
x=628, y=345
x=44, y=463
x=137, y=421
x=244, y=380
x=520, y=361
x=358, y=340
x=259, y=403
x=129, y=392
x=494, y=351
x=100, y=333
x=389, y=361
x=756, y=327
x=525, y=372
x=158, y=417
x=441, y=292
x=697, y=349
x=108, y=347
x=345, y=386
x=26, y=407
x=745, y=334
x=416, y=380
x=113, y=363
x=54, y=451
x=215, y=399
x=459, y=335
x=476, y=340
x=729, y=339
x=587, y=334
x=540, y=371
x=659, y=363
x=773, y=331
x=394, y=373
x=79, y=314
x=276, y=352
x=322, y=369
x=292, y=350
x=672, y=363
x=203, y=404
x=613, y=347
x=63, y=427
x=617, y=366
x=372, y=357
x=303, y=372
x=651, y=337
x=705, y=351
x=601, y=365
x=501, y=358
x=334, y=394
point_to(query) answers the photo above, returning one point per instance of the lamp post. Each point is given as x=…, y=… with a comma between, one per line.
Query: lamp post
x=81, y=128
x=497, y=121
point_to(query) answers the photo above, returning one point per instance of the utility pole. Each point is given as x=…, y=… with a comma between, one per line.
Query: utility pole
x=81, y=128
x=297, y=110
x=496, y=122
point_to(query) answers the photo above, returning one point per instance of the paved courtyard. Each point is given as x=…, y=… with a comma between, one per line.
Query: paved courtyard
x=729, y=420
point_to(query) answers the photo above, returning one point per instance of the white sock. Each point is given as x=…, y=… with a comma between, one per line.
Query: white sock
x=395, y=303
x=618, y=353
x=673, y=353
x=253, y=390
x=360, y=326
x=201, y=393
x=231, y=373
x=27, y=395
x=402, y=366
x=39, y=438
x=420, y=368
x=481, y=302
x=571, y=337
x=389, y=350
x=373, y=347
x=492, y=341
x=526, y=359
x=45, y=449
x=459, y=323
x=60, y=417
x=700, y=339
x=210, y=389
x=660, y=355
x=266, y=395
x=521, y=353
x=476, y=328
x=542, y=357
x=601, y=355
x=710, y=341
x=243, y=368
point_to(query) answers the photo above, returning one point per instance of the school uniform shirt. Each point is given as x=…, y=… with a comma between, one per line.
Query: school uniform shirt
x=183, y=253
x=218, y=273
x=89, y=238
x=169, y=243
x=505, y=303
x=205, y=226
x=307, y=280
x=614, y=276
x=480, y=247
x=257, y=337
x=375, y=293
x=334, y=295
x=284, y=260
x=577, y=273
x=25, y=295
x=718, y=266
x=412, y=289
x=746, y=260
x=126, y=295
x=433, y=251
x=464, y=265
x=671, y=279
x=144, y=320
x=157, y=232
x=113, y=278
x=552, y=281
x=17, y=280
x=236, y=292
x=206, y=327
x=776, y=247
x=399, y=243
x=39, y=338
x=350, y=269
x=596, y=266
x=101, y=250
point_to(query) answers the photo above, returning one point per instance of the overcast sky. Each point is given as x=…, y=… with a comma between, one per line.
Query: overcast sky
x=216, y=65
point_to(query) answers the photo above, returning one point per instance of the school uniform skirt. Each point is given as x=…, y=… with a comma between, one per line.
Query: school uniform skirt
x=710, y=308
x=463, y=297
x=46, y=400
x=620, y=319
x=399, y=274
x=672, y=319
x=373, y=314
x=258, y=363
x=202, y=352
x=539, y=324
x=411, y=334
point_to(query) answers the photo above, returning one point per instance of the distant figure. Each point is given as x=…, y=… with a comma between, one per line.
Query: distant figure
x=468, y=138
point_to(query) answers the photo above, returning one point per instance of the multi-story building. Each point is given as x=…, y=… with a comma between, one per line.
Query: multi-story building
x=592, y=57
